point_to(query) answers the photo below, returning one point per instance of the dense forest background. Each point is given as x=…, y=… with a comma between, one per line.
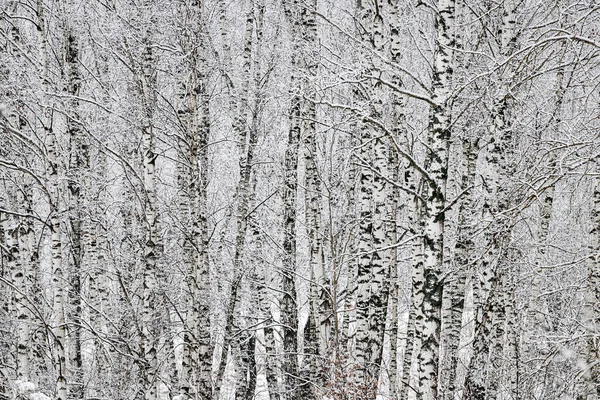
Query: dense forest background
x=300, y=199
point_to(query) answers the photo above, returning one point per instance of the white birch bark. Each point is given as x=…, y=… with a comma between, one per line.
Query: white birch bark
x=490, y=301
x=349, y=294
x=455, y=289
x=246, y=144
x=591, y=311
x=146, y=80
x=195, y=380
x=415, y=316
x=288, y=302
x=78, y=165
x=435, y=199
x=398, y=121
x=321, y=309
x=52, y=170
x=11, y=225
x=373, y=265
x=392, y=238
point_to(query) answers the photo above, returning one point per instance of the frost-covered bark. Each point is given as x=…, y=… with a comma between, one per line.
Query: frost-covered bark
x=145, y=75
x=490, y=300
x=463, y=252
x=592, y=301
x=398, y=126
x=52, y=171
x=79, y=226
x=321, y=309
x=247, y=139
x=195, y=379
x=17, y=278
x=392, y=233
x=374, y=252
x=415, y=316
x=349, y=292
x=289, y=310
x=435, y=199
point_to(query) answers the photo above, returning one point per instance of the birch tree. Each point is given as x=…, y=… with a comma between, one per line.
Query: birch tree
x=194, y=117
x=435, y=198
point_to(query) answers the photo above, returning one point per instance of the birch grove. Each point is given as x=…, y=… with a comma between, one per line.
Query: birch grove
x=299, y=199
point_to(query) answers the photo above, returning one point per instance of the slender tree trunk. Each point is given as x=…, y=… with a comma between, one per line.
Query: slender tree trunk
x=490, y=302
x=56, y=243
x=195, y=380
x=289, y=305
x=373, y=266
x=392, y=239
x=435, y=199
x=592, y=302
x=78, y=166
x=321, y=308
x=415, y=315
x=246, y=144
x=455, y=289
x=398, y=121
x=150, y=317
x=17, y=269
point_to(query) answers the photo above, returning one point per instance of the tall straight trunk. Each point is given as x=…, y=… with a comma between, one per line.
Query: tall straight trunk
x=56, y=243
x=490, y=301
x=398, y=124
x=247, y=140
x=321, y=308
x=264, y=303
x=435, y=199
x=592, y=302
x=373, y=266
x=455, y=289
x=499, y=137
x=78, y=166
x=392, y=233
x=349, y=294
x=289, y=301
x=415, y=314
x=20, y=259
x=30, y=261
x=195, y=379
x=146, y=80
x=11, y=227
x=289, y=307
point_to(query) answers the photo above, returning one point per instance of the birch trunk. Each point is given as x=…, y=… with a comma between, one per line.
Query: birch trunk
x=415, y=316
x=246, y=144
x=11, y=225
x=289, y=305
x=349, y=294
x=398, y=121
x=289, y=301
x=392, y=238
x=592, y=302
x=78, y=166
x=435, y=199
x=455, y=291
x=289, y=310
x=490, y=302
x=374, y=258
x=321, y=309
x=195, y=380
x=56, y=244
x=147, y=83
